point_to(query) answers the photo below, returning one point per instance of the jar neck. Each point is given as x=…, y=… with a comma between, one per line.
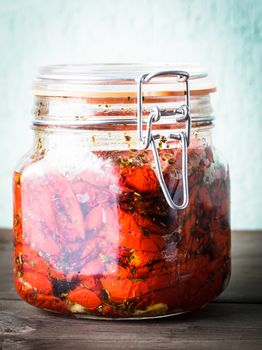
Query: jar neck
x=118, y=113
x=111, y=123
x=69, y=140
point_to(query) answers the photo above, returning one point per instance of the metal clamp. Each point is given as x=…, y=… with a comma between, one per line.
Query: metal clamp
x=184, y=136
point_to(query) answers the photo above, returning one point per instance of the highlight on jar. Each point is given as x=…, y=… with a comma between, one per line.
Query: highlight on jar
x=122, y=206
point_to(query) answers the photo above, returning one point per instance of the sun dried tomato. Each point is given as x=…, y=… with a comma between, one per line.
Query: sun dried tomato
x=69, y=218
x=84, y=297
x=28, y=259
x=142, y=179
x=37, y=281
x=103, y=241
x=50, y=302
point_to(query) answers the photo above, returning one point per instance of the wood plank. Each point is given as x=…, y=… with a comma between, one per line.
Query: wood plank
x=246, y=280
x=7, y=290
x=237, y=326
x=6, y=235
x=234, y=325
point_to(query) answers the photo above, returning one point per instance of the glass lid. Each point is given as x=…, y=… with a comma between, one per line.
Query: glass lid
x=118, y=80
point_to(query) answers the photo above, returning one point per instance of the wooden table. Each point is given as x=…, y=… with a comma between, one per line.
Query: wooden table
x=233, y=321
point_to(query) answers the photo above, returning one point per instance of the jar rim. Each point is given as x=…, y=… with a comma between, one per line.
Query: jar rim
x=118, y=79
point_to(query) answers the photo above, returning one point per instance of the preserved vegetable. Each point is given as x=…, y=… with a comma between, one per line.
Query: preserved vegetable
x=102, y=241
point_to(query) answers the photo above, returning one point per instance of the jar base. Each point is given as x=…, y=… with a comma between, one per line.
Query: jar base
x=140, y=318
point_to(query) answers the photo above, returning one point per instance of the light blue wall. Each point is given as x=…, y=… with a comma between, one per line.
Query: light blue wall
x=226, y=35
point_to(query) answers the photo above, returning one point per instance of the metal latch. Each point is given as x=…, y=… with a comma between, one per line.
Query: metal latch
x=148, y=138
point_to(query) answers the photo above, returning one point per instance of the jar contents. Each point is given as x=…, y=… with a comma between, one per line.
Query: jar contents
x=102, y=240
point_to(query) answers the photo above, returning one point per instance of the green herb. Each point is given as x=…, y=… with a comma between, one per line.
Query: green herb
x=63, y=295
x=105, y=259
x=133, y=270
x=106, y=295
x=136, y=279
x=162, y=140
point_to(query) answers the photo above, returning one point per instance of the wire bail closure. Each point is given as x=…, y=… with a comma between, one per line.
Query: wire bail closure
x=148, y=138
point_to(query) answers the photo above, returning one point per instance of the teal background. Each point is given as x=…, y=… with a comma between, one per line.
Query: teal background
x=225, y=35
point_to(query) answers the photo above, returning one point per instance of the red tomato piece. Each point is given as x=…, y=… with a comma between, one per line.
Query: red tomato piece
x=120, y=290
x=27, y=258
x=50, y=302
x=92, y=268
x=94, y=219
x=140, y=258
x=84, y=297
x=142, y=179
x=133, y=238
x=37, y=281
x=69, y=218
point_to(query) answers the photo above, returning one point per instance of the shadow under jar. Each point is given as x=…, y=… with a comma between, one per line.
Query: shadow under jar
x=105, y=227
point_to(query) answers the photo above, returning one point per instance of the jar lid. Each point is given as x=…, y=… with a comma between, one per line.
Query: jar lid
x=118, y=80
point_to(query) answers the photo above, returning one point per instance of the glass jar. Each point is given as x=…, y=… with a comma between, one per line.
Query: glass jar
x=121, y=208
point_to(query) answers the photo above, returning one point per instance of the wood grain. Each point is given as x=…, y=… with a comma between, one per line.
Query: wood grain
x=234, y=319
x=237, y=326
